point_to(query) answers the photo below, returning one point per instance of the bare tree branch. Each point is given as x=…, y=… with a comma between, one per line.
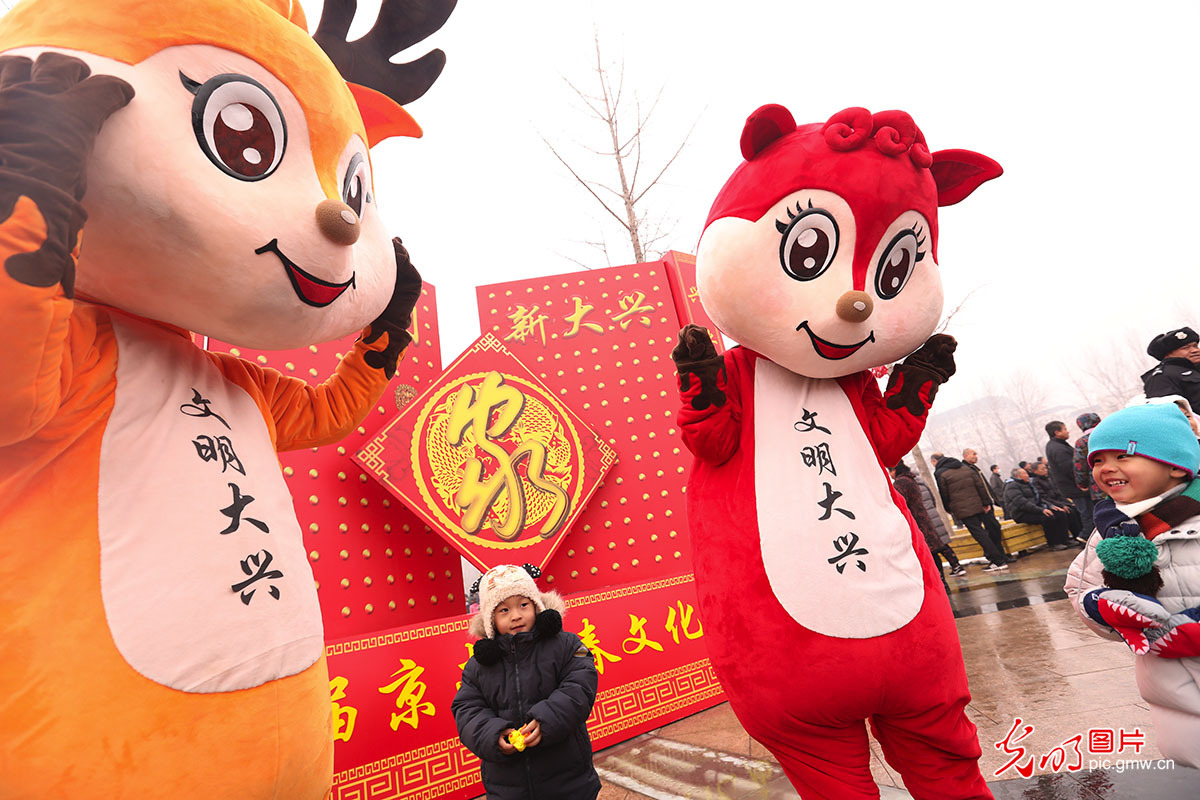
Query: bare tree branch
x=941, y=328
x=584, y=183
x=626, y=151
x=666, y=166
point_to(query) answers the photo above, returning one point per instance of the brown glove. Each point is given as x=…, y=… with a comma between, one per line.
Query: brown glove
x=397, y=317
x=695, y=356
x=932, y=363
x=51, y=112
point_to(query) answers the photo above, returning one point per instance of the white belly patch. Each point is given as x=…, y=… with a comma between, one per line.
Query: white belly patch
x=837, y=551
x=203, y=573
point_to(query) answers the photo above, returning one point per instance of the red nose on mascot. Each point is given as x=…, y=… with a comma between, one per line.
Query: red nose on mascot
x=822, y=605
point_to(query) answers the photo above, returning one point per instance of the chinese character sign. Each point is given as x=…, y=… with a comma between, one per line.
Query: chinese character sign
x=390, y=692
x=600, y=340
x=492, y=459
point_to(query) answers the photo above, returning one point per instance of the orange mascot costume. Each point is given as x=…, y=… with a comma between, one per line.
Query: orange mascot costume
x=165, y=168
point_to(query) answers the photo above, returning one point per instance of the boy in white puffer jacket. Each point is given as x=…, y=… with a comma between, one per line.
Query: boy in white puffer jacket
x=1139, y=576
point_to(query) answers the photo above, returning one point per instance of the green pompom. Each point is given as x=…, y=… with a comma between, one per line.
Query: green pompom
x=1127, y=556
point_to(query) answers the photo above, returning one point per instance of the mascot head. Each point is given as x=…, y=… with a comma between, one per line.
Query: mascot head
x=234, y=195
x=820, y=250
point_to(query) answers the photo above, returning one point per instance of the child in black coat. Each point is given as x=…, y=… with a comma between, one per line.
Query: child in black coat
x=527, y=693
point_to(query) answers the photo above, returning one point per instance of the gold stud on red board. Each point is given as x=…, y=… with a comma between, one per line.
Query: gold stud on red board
x=620, y=325
x=491, y=459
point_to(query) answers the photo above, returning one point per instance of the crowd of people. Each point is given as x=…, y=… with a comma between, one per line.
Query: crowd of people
x=1055, y=491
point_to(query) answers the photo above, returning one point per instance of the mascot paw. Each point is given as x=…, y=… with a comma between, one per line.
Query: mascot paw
x=396, y=318
x=696, y=356
x=923, y=371
x=51, y=111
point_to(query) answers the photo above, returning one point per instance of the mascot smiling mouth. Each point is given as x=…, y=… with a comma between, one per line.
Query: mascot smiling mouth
x=309, y=288
x=829, y=350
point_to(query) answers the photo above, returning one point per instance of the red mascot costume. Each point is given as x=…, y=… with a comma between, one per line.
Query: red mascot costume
x=822, y=605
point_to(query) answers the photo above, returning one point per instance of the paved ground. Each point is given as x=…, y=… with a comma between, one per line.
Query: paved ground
x=1027, y=656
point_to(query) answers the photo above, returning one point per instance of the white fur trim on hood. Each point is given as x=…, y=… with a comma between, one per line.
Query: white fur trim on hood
x=502, y=582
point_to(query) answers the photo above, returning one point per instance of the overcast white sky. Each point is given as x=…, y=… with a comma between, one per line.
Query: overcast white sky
x=1087, y=240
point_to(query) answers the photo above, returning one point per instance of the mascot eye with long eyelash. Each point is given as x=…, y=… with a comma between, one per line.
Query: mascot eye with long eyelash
x=168, y=168
x=819, y=258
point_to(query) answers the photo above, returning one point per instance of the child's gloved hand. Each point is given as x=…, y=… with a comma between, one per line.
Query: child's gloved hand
x=1131, y=615
x=1179, y=637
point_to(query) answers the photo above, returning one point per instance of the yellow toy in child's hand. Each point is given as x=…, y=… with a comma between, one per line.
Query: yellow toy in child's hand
x=517, y=740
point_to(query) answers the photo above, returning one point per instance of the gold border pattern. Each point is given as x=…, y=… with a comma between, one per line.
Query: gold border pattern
x=445, y=767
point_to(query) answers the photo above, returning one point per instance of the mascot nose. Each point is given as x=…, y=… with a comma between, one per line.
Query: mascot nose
x=855, y=306
x=339, y=223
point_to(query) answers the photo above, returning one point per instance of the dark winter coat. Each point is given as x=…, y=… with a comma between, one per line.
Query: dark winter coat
x=1083, y=472
x=544, y=674
x=996, y=484
x=1060, y=462
x=1022, y=502
x=994, y=500
x=963, y=491
x=1174, y=376
x=931, y=510
x=1047, y=491
x=911, y=493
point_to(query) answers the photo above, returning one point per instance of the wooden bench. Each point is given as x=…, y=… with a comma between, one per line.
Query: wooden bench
x=1017, y=536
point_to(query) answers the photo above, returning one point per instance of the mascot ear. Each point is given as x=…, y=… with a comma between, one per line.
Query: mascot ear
x=764, y=126
x=957, y=173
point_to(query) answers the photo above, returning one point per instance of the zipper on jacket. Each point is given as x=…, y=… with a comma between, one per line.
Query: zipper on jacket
x=521, y=712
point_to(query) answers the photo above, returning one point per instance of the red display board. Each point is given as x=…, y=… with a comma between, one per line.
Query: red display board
x=681, y=272
x=490, y=458
x=391, y=691
x=377, y=565
x=602, y=339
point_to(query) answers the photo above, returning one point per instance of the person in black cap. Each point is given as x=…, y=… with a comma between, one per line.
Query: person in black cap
x=1178, y=371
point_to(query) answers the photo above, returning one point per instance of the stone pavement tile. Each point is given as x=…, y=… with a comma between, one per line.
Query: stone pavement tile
x=717, y=727
x=1042, y=787
x=610, y=792
x=1095, y=657
x=1178, y=783
x=1003, y=697
x=760, y=752
x=881, y=772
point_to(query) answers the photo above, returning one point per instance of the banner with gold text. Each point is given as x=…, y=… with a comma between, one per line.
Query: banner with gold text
x=395, y=738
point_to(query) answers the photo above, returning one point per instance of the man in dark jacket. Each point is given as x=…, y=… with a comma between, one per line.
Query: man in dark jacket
x=1083, y=472
x=966, y=498
x=1178, y=371
x=1025, y=506
x=1047, y=493
x=996, y=484
x=1060, y=460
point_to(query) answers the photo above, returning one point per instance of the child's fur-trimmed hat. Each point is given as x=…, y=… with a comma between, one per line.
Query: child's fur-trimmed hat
x=501, y=582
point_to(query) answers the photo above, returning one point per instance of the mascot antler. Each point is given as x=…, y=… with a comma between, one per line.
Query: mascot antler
x=367, y=61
